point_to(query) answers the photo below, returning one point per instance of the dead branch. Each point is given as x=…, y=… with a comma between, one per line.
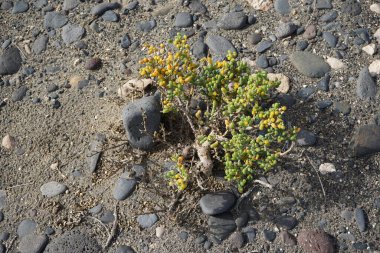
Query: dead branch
x=287, y=151
x=319, y=178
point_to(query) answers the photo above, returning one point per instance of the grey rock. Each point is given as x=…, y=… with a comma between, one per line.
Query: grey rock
x=217, y=202
x=147, y=220
x=316, y=241
x=323, y=104
x=287, y=222
x=329, y=16
x=287, y=100
x=183, y=19
x=132, y=5
x=302, y=45
x=347, y=237
x=110, y=16
x=107, y=217
x=269, y=235
x=324, y=4
x=209, y=25
x=286, y=201
x=2, y=248
x=1, y=216
x=96, y=209
x=74, y=241
x=4, y=236
x=55, y=20
x=250, y=233
x=72, y=33
x=95, y=149
x=287, y=238
x=200, y=239
x=3, y=199
x=331, y=39
x=309, y=64
x=70, y=4
x=183, y=235
x=242, y=220
x=20, y=7
x=40, y=44
x=285, y=30
x=351, y=7
x=366, y=87
x=197, y=7
x=233, y=21
x=6, y=5
x=26, y=227
x=99, y=9
x=19, y=94
x=221, y=225
x=342, y=107
x=306, y=93
x=254, y=38
x=262, y=62
x=32, y=243
x=282, y=7
x=306, y=138
x=126, y=42
x=146, y=26
x=237, y=240
x=52, y=189
x=10, y=61
x=124, y=188
x=207, y=245
x=124, y=249
x=219, y=46
x=263, y=46
x=324, y=83
x=360, y=246
x=52, y=87
x=199, y=49
x=141, y=119
x=376, y=203
x=360, y=219
x=310, y=32
x=39, y=4
x=6, y=43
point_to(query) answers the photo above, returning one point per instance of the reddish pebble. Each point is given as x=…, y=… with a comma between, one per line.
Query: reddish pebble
x=93, y=64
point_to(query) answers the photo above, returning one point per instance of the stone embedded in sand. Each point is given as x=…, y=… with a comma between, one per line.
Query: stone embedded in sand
x=219, y=46
x=52, y=189
x=309, y=64
x=316, y=241
x=366, y=140
x=326, y=168
x=261, y=5
x=26, y=227
x=124, y=188
x=366, y=87
x=335, y=63
x=33, y=243
x=147, y=220
x=374, y=68
x=370, y=49
x=99, y=9
x=283, y=79
x=217, y=202
x=221, y=225
x=8, y=142
x=72, y=33
x=10, y=61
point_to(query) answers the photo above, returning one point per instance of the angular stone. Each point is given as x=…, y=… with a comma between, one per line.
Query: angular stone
x=285, y=30
x=19, y=94
x=374, y=68
x=324, y=4
x=306, y=138
x=287, y=222
x=221, y=225
x=55, y=20
x=216, y=203
x=366, y=140
x=39, y=45
x=219, y=46
x=72, y=33
x=26, y=227
x=233, y=21
x=282, y=7
x=263, y=46
x=309, y=64
x=124, y=188
x=316, y=241
x=10, y=61
x=70, y=4
x=183, y=19
x=146, y=26
x=287, y=238
x=366, y=87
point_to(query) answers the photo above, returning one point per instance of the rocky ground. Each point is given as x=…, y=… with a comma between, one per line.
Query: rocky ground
x=74, y=180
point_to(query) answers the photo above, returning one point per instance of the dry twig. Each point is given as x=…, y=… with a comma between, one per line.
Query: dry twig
x=113, y=230
x=319, y=178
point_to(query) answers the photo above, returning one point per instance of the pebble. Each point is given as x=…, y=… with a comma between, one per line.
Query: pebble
x=219, y=46
x=347, y=237
x=70, y=4
x=199, y=49
x=242, y=220
x=33, y=243
x=309, y=64
x=366, y=140
x=39, y=4
x=140, y=136
x=217, y=203
x=147, y=220
x=374, y=68
x=310, y=32
x=376, y=203
x=126, y=42
x=55, y=20
x=100, y=9
x=287, y=238
x=49, y=231
x=306, y=93
x=237, y=240
x=360, y=219
x=351, y=7
x=285, y=30
x=20, y=7
x=233, y=21
x=269, y=235
x=74, y=241
x=330, y=39
x=329, y=16
x=302, y=45
x=323, y=4
x=124, y=249
x=261, y=5
x=95, y=148
x=375, y=8
x=52, y=189
x=10, y=61
x=250, y=233
x=6, y=5
x=370, y=49
x=286, y=222
x=254, y=38
x=19, y=94
x=146, y=26
x=342, y=107
x=132, y=5
x=316, y=241
x=96, y=209
x=124, y=188
x=183, y=235
x=8, y=142
x=183, y=20
x=282, y=7
x=366, y=87
x=160, y=231
x=1, y=216
x=26, y=227
x=197, y=7
x=207, y=245
x=263, y=46
x=377, y=35
x=110, y=16
x=107, y=217
x=40, y=44
x=326, y=168
x=262, y=62
x=93, y=64
x=306, y=138
x=52, y=87
x=284, y=81
x=72, y=33
x=221, y=225
x=335, y=63
x=359, y=246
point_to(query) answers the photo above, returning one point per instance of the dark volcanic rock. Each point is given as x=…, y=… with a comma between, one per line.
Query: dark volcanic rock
x=221, y=225
x=146, y=26
x=351, y=7
x=39, y=45
x=99, y=9
x=233, y=21
x=366, y=86
x=10, y=61
x=366, y=140
x=286, y=222
x=219, y=46
x=309, y=64
x=55, y=20
x=33, y=243
x=315, y=241
x=285, y=30
x=183, y=19
x=19, y=94
x=360, y=219
x=217, y=202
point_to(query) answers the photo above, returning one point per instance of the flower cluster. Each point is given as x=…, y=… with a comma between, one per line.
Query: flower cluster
x=180, y=176
x=246, y=126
